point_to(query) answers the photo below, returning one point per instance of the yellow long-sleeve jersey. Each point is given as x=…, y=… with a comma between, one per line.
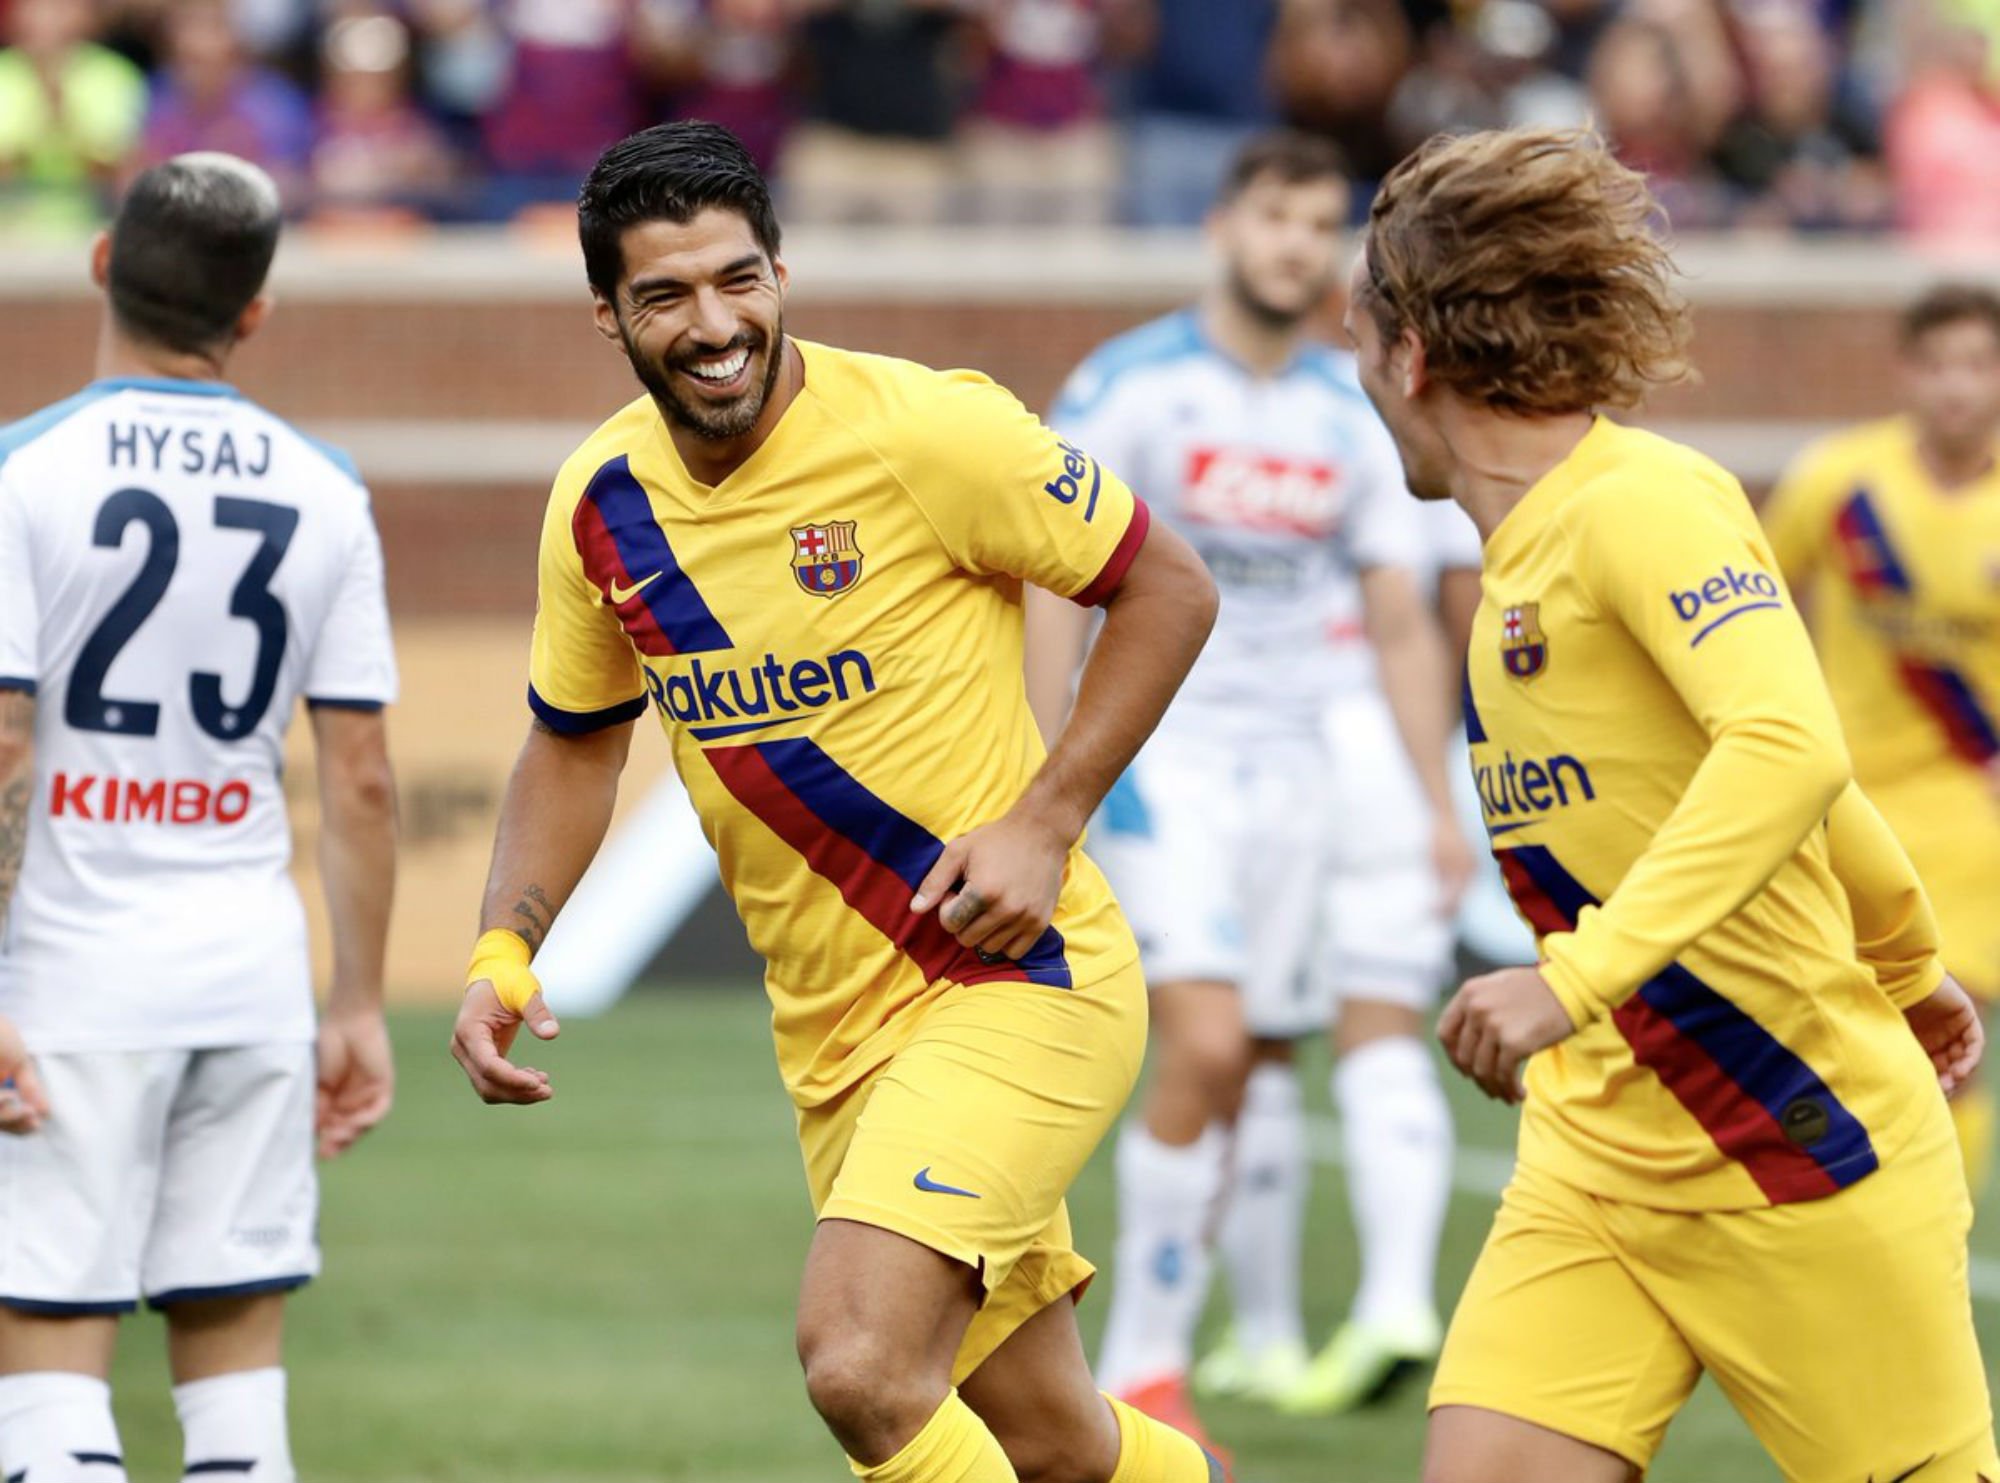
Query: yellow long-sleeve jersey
x=1726, y=919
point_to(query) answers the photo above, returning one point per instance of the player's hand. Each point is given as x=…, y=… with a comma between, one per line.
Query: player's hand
x=357, y=1078
x=485, y=1033
x=1495, y=1022
x=1946, y=1024
x=23, y=1103
x=1453, y=860
x=995, y=889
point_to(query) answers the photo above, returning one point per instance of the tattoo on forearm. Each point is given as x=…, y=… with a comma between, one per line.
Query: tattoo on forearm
x=17, y=731
x=534, y=913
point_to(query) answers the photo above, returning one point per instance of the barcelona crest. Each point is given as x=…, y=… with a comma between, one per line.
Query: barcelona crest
x=825, y=558
x=1524, y=648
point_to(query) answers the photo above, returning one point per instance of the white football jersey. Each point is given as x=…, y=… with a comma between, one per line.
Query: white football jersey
x=1287, y=485
x=1450, y=543
x=177, y=568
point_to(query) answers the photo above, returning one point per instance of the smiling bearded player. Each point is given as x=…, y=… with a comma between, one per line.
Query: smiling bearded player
x=813, y=562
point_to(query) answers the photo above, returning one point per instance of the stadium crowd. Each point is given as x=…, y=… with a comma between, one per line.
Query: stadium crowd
x=1800, y=115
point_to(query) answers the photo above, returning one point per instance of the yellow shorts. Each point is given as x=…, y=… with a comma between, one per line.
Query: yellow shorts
x=969, y=1137
x=1949, y=822
x=1840, y=1328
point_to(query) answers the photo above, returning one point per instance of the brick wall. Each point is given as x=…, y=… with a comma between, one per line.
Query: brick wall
x=540, y=360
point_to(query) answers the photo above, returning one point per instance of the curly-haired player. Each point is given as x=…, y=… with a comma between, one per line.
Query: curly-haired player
x=1735, y=1155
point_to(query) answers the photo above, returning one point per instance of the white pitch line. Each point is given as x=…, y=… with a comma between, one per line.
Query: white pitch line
x=1485, y=1171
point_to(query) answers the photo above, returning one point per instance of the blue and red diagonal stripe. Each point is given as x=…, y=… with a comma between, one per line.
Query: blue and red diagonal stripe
x=623, y=547
x=1727, y=1070
x=1872, y=563
x=1954, y=705
x=874, y=855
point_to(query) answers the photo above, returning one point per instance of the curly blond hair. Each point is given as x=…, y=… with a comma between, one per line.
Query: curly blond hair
x=1528, y=264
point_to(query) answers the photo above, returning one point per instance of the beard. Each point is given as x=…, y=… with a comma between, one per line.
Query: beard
x=1275, y=317
x=714, y=422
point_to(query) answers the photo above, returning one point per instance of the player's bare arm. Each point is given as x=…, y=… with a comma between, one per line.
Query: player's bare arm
x=1414, y=672
x=554, y=816
x=995, y=888
x=357, y=787
x=23, y=1104
x=1058, y=631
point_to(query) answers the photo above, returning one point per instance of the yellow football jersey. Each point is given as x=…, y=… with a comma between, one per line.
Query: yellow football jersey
x=1659, y=766
x=1904, y=587
x=832, y=638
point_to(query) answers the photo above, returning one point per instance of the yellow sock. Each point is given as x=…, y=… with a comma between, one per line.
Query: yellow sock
x=1150, y=1451
x=1974, y=1112
x=953, y=1447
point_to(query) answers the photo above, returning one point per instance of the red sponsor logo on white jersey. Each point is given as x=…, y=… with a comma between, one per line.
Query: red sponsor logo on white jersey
x=1263, y=491
x=109, y=800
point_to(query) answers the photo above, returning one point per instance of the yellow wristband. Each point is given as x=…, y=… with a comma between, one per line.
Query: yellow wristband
x=501, y=958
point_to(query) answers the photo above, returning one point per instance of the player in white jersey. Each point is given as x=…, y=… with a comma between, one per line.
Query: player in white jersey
x=1257, y=446
x=1388, y=938
x=178, y=568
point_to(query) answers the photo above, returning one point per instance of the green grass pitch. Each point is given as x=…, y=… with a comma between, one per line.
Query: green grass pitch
x=600, y=1290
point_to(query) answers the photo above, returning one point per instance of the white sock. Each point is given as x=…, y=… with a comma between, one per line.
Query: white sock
x=233, y=1427
x=1264, y=1216
x=1166, y=1202
x=56, y=1427
x=1396, y=1127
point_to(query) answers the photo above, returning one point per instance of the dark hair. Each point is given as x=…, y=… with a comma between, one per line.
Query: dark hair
x=1950, y=303
x=1293, y=156
x=670, y=172
x=190, y=248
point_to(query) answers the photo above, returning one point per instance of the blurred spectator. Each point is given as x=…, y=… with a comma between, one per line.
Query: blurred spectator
x=1197, y=91
x=877, y=144
x=1499, y=65
x=1794, y=155
x=1643, y=100
x=1037, y=147
x=462, y=60
x=574, y=87
x=1337, y=64
x=208, y=95
x=1944, y=134
x=727, y=61
x=377, y=155
x=70, y=113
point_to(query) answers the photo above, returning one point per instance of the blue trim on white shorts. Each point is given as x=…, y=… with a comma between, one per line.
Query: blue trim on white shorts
x=227, y=1290
x=46, y=1308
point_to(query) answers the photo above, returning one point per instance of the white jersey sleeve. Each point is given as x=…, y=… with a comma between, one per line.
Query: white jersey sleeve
x=1453, y=538
x=1384, y=526
x=19, y=662
x=353, y=662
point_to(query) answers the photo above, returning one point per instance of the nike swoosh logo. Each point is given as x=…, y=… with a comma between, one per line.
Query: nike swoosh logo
x=626, y=594
x=1907, y=1472
x=930, y=1186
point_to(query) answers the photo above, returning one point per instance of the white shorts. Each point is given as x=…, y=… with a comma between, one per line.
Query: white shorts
x=172, y=1175
x=1387, y=937
x=1218, y=855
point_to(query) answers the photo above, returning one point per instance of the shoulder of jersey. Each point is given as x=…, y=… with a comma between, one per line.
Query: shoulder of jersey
x=1152, y=346
x=1654, y=473
x=1337, y=370
x=1849, y=450
x=16, y=436
x=53, y=420
x=901, y=408
x=622, y=433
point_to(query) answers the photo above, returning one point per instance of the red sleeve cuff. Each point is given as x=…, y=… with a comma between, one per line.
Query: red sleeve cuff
x=1120, y=561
